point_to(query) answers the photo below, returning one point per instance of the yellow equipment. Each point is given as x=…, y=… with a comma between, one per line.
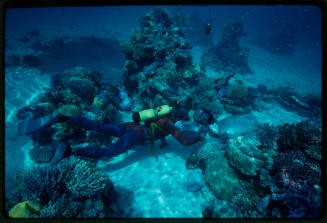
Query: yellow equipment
x=154, y=113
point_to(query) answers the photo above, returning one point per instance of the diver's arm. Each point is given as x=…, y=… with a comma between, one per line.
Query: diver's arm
x=174, y=132
x=90, y=124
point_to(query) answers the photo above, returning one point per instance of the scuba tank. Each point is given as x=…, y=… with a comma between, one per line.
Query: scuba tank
x=152, y=114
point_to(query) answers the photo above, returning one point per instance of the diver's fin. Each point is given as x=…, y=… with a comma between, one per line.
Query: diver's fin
x=32, y=125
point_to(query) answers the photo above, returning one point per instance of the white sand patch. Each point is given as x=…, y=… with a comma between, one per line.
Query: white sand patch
x=158, y=185
x=22, y=86
x=295, y=71
x=300, y=71
x=275, y=114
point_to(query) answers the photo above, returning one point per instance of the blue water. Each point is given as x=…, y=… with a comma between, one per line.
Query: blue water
x=41, y=43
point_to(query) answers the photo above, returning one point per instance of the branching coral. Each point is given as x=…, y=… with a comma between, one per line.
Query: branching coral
x=267, y=135
x=66, y=190
x=84, y=181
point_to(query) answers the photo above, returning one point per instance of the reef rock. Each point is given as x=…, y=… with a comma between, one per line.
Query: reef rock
x=220, y=177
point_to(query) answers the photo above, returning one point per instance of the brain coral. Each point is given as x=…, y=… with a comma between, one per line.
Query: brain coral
x=245, y=156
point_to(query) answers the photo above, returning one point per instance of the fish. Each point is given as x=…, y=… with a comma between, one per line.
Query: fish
x=237, y=125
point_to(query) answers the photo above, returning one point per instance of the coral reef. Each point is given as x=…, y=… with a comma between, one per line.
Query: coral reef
x=72, y=189
x=297, y=171
x=297, y=203
x=158, y=62
x=236, y=99
x=305, y=136
x=228, y=55
x=267, y=135
x=75, y=92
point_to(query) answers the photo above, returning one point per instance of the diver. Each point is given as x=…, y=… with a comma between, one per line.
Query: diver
x=158, y=123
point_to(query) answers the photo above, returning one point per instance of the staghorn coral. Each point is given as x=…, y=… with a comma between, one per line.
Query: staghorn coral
x=41, y=184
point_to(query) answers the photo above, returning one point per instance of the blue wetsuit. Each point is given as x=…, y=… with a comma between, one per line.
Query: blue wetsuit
x=128, y=138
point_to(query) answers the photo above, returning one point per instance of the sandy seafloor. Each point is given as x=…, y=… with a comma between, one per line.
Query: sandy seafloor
x=158, y=185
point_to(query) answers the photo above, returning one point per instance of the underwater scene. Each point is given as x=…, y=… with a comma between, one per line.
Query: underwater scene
x=163, y=112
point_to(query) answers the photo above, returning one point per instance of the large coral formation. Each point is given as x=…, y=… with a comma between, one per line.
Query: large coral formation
x=244, y=155
x=158, y=63
x=228, y=55
x=65, y=190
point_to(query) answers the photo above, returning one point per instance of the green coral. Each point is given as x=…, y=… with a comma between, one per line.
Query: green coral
x=97, y=102
x=25, y=209
x=237, y=91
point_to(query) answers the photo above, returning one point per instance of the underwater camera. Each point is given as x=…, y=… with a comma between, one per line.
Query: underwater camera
x=162, y=111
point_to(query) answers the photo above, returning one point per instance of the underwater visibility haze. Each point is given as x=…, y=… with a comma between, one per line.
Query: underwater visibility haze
x=163, y=112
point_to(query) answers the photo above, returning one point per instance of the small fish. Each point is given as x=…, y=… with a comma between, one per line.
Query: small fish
x=208, y=29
